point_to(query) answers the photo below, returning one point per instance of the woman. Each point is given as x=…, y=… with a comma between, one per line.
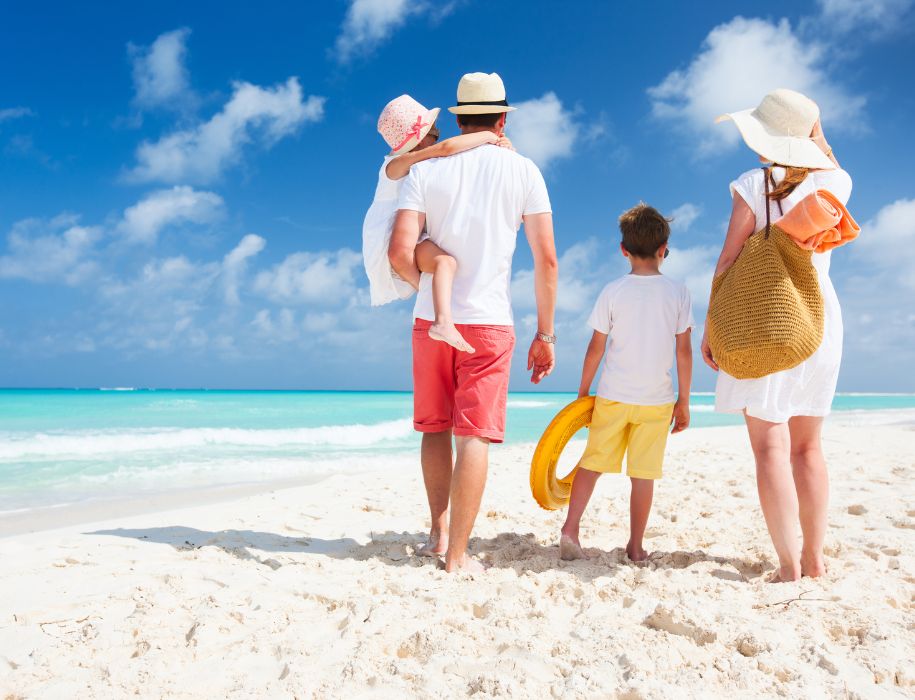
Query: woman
x=784, y=411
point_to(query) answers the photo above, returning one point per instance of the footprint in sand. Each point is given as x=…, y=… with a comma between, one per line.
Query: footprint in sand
x=857, y=509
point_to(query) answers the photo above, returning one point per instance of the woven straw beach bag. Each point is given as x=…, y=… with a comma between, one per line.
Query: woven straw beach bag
x=766, y=310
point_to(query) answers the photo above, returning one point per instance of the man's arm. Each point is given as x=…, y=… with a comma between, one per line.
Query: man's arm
x=538, y=228
x=408, y=225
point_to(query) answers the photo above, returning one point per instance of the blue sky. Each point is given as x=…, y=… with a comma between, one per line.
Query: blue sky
x=182, y=185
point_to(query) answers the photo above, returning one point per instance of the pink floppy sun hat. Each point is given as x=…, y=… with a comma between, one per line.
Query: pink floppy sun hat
x=404, y=122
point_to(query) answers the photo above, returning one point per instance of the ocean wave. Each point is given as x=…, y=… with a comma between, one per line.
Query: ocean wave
x=524, y=403
x=85, y=443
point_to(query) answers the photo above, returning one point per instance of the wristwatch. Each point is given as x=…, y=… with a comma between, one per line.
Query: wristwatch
x=546, y=338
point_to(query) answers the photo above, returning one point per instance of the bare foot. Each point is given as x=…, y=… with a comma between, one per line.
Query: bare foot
x=785, y=574
x=570, y=548
x=812, y=566
x=636, y=553
x=465, y=565
x=447, y=333
x=436, y=546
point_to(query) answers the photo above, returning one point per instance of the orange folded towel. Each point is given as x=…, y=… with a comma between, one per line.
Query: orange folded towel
x=819, y=222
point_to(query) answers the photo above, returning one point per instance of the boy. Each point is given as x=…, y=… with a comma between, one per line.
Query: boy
x=647, y=315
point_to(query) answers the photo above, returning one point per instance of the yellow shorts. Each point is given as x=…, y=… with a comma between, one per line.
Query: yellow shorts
x=621, y=428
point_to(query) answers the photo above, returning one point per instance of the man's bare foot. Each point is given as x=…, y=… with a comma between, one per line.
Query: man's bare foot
x=813, y=566
x=570, y=548
x=636, y=553
x=447, y=333
x=785, y=574
x=435, y=546
x=465, y=565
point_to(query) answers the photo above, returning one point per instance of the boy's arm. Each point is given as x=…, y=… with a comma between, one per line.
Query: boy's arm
x=400, y=166
x=593, y=356
x=680, y=417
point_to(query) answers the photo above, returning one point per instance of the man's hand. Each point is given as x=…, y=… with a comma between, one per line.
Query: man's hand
x=541, y=359
x=680, y=417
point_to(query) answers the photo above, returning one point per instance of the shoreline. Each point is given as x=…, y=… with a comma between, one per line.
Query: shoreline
x=53, y=517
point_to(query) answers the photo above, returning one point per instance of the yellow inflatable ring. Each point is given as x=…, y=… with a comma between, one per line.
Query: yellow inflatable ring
x=552, y=493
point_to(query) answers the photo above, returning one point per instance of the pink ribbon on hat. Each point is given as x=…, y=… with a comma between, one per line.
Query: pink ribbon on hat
x=414, y=131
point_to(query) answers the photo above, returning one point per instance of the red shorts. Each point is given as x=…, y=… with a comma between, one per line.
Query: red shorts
x=459, y=390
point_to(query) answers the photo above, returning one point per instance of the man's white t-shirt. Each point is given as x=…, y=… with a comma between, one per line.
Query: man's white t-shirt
x=641, y=314
x=473, y=202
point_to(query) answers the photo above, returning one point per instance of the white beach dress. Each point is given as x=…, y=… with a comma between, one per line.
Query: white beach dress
x=384, y=285
x=808, y=388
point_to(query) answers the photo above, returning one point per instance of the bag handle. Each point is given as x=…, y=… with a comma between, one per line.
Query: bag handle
x=766, y=175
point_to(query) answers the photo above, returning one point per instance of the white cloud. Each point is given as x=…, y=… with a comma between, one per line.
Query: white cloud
x=326, y=279
x=887, y=243
x=881, y=16
x=684, y=216
x=740, y=61
x=15, y=113
x=235, y=262
x=143, y=221
x=203, y=153
x=58, y=250
x=160, y=77
x=543, y=130
x=369, y=22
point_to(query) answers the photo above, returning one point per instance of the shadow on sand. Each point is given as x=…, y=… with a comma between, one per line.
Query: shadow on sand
x=507, y=550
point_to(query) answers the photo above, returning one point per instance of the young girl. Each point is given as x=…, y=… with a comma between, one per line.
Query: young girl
x=410, y=131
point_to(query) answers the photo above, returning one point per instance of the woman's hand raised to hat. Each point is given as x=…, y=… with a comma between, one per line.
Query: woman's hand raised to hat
x=817, y=136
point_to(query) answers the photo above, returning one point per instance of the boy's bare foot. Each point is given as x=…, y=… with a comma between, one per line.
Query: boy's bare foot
x=636, y=553
x=785, y=574
x=436, y=546
x=447, y=333
x=812, y=566
x=465, y=565
x=570, y=548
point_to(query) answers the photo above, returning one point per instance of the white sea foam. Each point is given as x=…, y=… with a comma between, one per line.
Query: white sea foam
x=701, y=408
x=97, y=443
x=525, y=403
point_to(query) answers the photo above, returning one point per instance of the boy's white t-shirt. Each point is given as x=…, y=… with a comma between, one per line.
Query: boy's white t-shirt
x=473, y=202
x=641, y=314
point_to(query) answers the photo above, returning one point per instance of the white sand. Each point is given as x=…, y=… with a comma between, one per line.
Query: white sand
x=313, y=592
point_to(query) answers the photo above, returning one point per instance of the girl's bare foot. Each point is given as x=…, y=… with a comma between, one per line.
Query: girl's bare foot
x=636, y=553
x=447, y=333
x=570, y=548
x=465, y=565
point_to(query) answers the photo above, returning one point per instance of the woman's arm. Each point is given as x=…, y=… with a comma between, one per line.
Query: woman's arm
x=819, y=138
x=592, y=361
x=740, y=228
x=400, y=166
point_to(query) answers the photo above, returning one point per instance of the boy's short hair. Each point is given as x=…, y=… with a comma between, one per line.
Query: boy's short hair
x=644, y=230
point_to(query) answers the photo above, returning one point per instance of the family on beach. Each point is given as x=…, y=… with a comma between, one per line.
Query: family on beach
x=443, y=225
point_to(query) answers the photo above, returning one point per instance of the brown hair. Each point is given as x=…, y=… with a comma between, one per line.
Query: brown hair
x=485, y=120
x=793, y=178
x=644, y=230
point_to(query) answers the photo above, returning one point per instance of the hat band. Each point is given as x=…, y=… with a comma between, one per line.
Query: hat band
x=495, y=103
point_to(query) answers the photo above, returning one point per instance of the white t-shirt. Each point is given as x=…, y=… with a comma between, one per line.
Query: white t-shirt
x=473, y=202
x=641, y=314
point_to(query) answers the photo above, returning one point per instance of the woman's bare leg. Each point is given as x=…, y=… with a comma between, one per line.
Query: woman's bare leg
x=777, y=495
x=811, y=480
x=432, y=259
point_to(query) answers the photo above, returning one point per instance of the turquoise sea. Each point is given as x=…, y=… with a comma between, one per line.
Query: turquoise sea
x=64, y=446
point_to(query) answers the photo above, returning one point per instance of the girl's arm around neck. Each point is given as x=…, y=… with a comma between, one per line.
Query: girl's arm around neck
x=400, y=166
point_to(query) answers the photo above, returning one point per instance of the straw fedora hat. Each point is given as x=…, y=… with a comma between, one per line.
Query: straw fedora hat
x=481, y=93
x=779, y=129
x=404, y=122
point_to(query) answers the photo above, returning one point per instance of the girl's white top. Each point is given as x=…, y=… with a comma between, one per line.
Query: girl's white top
x=807, y=389
x=384, y=285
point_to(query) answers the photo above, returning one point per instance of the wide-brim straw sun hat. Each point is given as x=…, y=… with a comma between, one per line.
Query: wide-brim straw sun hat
x=779, y=129
x=404, y=122
x=481, y=93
